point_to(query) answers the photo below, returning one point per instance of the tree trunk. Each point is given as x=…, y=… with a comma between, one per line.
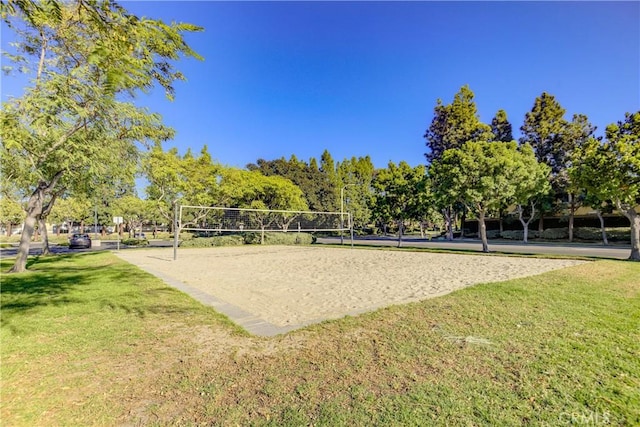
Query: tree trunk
x=400, y=227
x=45, y=236
x=25, y=241
x=605, y=241
x=462, y=221
x=501, y=223
x=34, y=210
x=525, y=224
x=541, y=223
x=9, y=228
x=572, y=209
x=448, y=222
x=483, y=230
x=634, y=219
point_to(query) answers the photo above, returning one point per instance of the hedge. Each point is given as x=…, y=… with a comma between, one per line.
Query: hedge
x=206, y=242
x=292, y=238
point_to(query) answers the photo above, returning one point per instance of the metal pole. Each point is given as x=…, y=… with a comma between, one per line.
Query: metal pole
x=351, y=228
x=95, y=222
x=342, y=211
x=342, y=215
x=175, y=230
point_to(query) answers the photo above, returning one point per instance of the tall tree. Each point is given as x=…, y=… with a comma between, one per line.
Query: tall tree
x=73, y=123
x=356, y=176
x=330, y=197
x=578, y=132
x=501, y=128
x=610, y=170
x=547, y=131
x=454, y=124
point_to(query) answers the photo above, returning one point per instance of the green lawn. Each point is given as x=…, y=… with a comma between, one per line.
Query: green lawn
x=90, y=340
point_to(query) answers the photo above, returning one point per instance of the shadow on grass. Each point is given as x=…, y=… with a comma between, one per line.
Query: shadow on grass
x=92, y=279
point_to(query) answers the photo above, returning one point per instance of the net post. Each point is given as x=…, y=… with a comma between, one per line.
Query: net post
x=176, y=228
x=351, y=228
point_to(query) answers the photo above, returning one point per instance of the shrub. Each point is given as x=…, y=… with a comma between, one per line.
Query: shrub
x=619, y=234
x=587, y=233
x=292, y=238
x=512, y=234
x=206, y=242
x=519, y=234
x=555, y=233
x=135, y=242
x=492, y=234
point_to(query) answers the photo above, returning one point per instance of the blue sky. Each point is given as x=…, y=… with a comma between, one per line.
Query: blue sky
x=362, y=78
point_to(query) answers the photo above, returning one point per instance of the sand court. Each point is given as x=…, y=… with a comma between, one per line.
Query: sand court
x=274, y=289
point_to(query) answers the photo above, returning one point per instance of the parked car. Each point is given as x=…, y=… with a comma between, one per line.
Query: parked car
x=139, y=235
x=79, y=241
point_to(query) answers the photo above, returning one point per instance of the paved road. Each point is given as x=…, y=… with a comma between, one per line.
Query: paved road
x=36, y=247
x=577, y=249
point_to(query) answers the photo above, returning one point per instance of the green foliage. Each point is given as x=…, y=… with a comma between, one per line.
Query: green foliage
x=455, y=124
x=501, y=128
x=356, y=178
x=486, y=176
x=71, y=210
x=594, y=234
x=292, y=238
x=555, y=233
x=135, y=242
x=307, y=176
x=400, y=192
x=11, y=212
x=611, y=171
x=544, y=129
x=518, y=234
x=72, y=127
x=206, y=242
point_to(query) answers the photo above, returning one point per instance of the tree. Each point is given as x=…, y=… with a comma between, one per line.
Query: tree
x=356, y=176
x=483, y=175
x=455, y=124
x=501, y=128
x=307, y=176
x=71, y=210
x=451, y=127
x=532, y=184
x=398, y=194
x=85, y=59
x=610, y=170
x=330, y=196
x=553, y=140
x=11, y=213
x=579, y=130
x=133, y=211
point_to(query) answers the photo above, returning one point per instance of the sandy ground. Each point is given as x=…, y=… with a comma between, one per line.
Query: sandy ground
x=286, y=285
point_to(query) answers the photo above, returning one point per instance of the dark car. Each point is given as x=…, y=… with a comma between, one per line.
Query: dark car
x=80, y=241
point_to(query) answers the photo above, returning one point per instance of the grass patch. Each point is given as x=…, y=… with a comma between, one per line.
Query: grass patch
x=90, y=340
